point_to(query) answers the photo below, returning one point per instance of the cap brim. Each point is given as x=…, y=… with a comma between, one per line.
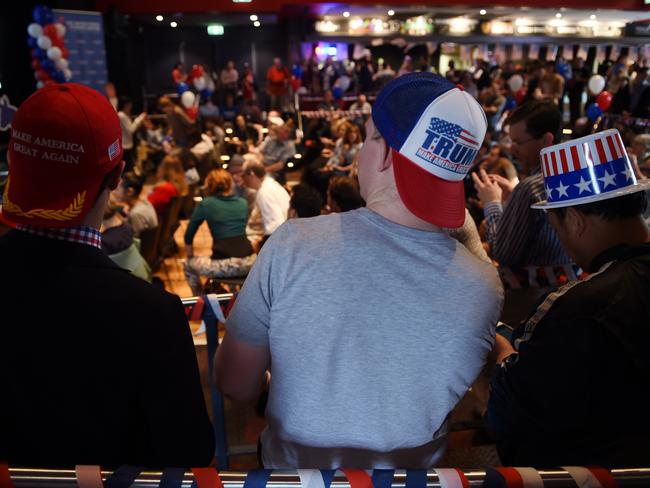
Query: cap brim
x=643, y=185
x=437, y=201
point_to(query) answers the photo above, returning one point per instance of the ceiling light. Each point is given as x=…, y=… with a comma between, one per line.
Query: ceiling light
x=159, y=18
x=257, y=23
x=558, y=15
x=482, y=11
x=391, y=12
x=346, y=14
x=253, y=18
x=592, y=16
x=173, y=24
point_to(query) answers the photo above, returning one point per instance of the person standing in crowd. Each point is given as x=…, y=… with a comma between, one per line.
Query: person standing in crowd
x=275, y=150
x=363, y=107
x=229, y=79
x=551, y=86
x=111, y=94
x=129, y=127
x=226, y=215
x=248, y=84
x=277, y=84
x=407, y=66
x=530, y=256
x=572, y=391
x=347, y=356
x=177, y=120
x=577, y=85
x=271, y=199
x=178, y=75
x=116, y=381
x=140, y=215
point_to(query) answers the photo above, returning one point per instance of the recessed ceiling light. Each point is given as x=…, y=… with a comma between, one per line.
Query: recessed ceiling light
x=173, y=24
x=558, y=15
x=592, y=17
x=391, y=12
x=159, y=18
x=253, y=18
x=482, y=11
x=346, y=14
x=257, y=23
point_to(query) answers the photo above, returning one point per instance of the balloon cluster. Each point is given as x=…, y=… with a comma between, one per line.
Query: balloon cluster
x=197, y=78
x=603, y=98
x=49, y=54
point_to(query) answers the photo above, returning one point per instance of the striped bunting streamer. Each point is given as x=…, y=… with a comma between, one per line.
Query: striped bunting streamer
x=89, y=476
x=452, y=478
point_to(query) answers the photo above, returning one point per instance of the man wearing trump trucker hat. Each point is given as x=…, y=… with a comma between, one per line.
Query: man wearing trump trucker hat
x=572, y=387
x=365, y=313
x=97, y=366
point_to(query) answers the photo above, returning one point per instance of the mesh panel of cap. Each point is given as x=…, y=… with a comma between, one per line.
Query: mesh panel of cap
x=401, y=103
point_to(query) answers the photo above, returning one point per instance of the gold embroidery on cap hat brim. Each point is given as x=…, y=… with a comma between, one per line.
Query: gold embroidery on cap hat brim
x=72, y=211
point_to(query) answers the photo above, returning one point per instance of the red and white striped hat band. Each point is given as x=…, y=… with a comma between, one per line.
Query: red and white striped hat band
x=591, y=168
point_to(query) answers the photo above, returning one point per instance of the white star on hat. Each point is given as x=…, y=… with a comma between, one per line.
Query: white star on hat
x=583, y=185
x=628, y=173
x=548, y=191
x=608, y=179
x=562, y=190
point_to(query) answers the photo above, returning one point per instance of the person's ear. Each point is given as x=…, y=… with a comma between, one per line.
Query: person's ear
x=575, y=223
x=547, y=139
x=115, y=176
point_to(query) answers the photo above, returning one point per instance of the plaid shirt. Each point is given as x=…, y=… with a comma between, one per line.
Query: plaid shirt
x=80, y=234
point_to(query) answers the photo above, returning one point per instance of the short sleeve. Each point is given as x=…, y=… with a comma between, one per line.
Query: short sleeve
x=250, y=318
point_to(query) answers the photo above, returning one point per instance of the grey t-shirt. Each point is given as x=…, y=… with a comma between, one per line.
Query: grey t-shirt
x=142, y=216
x=376, y=331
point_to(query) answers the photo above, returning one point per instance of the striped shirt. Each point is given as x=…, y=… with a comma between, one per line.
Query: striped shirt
x=519, y=235
x=80, y=234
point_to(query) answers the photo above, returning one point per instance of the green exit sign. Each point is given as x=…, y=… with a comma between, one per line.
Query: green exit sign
x=215, y=30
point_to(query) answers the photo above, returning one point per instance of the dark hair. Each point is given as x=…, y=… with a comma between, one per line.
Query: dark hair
x=123, y=102
x=131, y=180
x=619, y=208
x=306, y=201
x=540, y=118
x=344, y=190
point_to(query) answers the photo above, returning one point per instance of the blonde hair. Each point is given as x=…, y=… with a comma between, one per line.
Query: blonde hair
x=171, y=170
x=219, y=182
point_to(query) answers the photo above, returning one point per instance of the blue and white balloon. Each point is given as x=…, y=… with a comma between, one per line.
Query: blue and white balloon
x=62, y=64
x=44, y=42
x=35, y=30
x=54, y=53
x=60, y=29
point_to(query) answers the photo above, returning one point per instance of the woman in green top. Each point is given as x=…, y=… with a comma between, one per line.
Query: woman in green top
x=226, y=215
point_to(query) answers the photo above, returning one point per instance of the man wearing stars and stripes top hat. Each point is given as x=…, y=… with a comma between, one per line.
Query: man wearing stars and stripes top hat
x=572, y=386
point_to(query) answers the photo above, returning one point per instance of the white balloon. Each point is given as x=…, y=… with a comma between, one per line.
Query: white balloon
x=40, y=85
x=60, y=30
x=62, y=64
x=67, y=74
x=44, y=42
x=35, y=30
x=199, y=83
x=54, y=53
x=187, y=99
x=515, y=82
x=596, y=84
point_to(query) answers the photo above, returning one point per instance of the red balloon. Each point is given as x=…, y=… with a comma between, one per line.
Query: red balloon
x=49, y=82
x=192, y=112
x=65, y=53
x=50, y=31
x=604, y=100
x=197, y=71
x=520, y=95
x=58, y=42
x=42, y=75
x=36, y=64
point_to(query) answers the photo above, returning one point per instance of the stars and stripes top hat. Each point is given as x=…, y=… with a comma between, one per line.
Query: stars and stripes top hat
x=591, y=168
x=434, y=130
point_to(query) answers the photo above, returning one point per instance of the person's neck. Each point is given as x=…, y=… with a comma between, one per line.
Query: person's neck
x=632, y=231
x=396, y=212
x=114, y=221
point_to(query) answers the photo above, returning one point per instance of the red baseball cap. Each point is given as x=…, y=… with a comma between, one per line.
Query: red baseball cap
x=434, y=129
x=64, y=139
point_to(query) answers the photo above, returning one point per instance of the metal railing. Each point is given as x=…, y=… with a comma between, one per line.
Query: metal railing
x=559, y=478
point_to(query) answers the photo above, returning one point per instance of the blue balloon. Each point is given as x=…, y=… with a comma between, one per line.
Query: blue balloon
x=205, y=94
x=41, y=54
x=337, y=92
x=181, y=88
x=511, y=103
x=32, y=42
x=43, y=15
x=48, y=65
x=297, y=71
x=593, y=112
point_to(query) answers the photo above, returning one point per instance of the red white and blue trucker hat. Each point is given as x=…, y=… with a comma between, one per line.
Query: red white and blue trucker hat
x=589, y=169
x=64, y=139
x=434, y=129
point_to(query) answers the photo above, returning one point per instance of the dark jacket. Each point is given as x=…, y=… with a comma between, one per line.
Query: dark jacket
x=96, y=366
x=577, y=393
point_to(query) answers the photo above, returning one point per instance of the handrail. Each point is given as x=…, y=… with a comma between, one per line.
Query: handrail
x=552, y=478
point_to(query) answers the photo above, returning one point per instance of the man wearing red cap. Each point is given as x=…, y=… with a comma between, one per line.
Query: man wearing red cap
x=376, y=320
x=98, y=367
